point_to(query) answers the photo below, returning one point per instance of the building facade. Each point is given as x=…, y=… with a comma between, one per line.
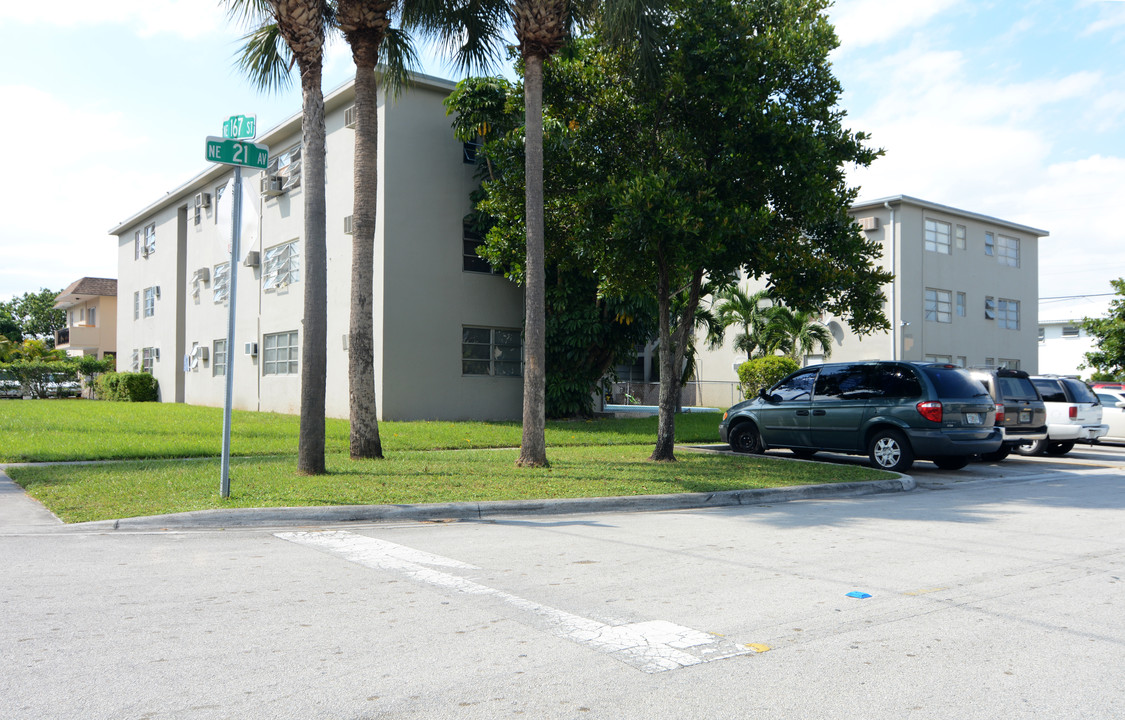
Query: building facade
x=965, y=291
x=90, y=305
x=447, y=329
x=1063, y=342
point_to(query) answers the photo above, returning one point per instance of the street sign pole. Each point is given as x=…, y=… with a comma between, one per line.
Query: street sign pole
x=236, y=237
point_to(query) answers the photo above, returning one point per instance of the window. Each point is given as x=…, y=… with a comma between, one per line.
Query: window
x=1008, y=363
x=845, y=383
x=198, y=214
x=220, y=283
x=943, y=359
x=491, y=351
x=286, y=169
x=1008, y=314
x=1042, y=334
x=960, y=361
x=150, y=301
x=471, y=262
x=282, y=266
x=219, y=358
x=145, y=241
x=147, y=356
x=280, y=354
x=937, y=237
x=135, y=364
x=219, y=190
x=990, y=362
x=1008, y=251
x=960, y=304
x=137, y=305
x=796, y=388
x=959, y=235
x=138, y=243
x=989, y=308
x=90, y=318
x=939, y=305
x=1070, y=331
x=989, y=244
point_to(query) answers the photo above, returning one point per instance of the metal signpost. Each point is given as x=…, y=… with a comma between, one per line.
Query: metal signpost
x=232, y=149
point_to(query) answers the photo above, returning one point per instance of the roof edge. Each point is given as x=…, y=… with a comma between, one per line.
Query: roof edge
x=910, y=200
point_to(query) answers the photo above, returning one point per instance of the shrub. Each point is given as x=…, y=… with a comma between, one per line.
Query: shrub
x=128, y=387
x=763, y=372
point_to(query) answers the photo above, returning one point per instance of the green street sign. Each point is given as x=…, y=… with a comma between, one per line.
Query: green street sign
x=237, y=152
x=240, y=127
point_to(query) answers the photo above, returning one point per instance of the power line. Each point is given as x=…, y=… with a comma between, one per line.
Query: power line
x=1077, y=297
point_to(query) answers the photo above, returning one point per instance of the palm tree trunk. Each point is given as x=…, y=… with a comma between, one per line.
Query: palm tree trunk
x=666, y=421
x=364, y=439
x=310, y=442
x=533, y=448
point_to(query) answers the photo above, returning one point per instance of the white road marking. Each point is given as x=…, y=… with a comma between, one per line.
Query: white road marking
x=653, y=646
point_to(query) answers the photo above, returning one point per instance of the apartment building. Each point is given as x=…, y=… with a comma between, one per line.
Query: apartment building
x=447, y=329
x=966, y=291
x=91, y=318
x=1063, y=342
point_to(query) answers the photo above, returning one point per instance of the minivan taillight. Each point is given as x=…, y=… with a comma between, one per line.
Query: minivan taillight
x=1073, y=412
x=931, y=410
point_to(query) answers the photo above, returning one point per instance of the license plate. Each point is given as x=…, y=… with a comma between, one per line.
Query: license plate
x=973, y=418
x=1025, y=416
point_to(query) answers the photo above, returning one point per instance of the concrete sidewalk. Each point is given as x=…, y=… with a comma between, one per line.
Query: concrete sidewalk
x=19, y=512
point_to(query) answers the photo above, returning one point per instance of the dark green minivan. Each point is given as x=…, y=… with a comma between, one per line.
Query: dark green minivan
x=893, y=412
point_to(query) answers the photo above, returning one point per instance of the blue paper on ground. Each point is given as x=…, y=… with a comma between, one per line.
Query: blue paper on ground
x=858, y=594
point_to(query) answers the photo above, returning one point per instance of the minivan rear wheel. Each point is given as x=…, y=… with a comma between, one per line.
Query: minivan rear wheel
x=890, y=450
x=745, y=439
x=1059, y=448
x=951, y=462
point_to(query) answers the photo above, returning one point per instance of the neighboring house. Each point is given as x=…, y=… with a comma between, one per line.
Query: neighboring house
x=91, y=318
x=447, y=329
x=965, y=292
x=1063, y=343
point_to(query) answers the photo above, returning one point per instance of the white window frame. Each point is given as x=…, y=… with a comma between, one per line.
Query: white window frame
x=492, y=357
x=944, y=359
x=1071, y=331
x=281, y=265
x=938, y=236
x=149, y=240
x=219, y=358
x=137, y=305
x=962, y=304
x=960, y=233
x=220, y=283
x=277, y=345
x=1008, y=314
x=1008, y=250
x=989, y=244
x=938, y=305
x=150, y=302
x=148, y=359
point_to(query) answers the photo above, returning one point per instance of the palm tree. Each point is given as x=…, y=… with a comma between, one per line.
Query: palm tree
x=366, y=27
x=796, y=333
x=737, y=307
x=476, y=30
x=301, y=24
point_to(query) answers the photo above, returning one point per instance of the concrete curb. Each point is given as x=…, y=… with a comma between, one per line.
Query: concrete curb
x=299, y=516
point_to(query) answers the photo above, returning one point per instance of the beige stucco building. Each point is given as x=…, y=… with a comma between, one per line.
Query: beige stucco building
x=91, y=318
x=446, y=329
x=965, y=292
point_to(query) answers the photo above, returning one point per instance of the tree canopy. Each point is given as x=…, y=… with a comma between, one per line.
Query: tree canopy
x=32, y=315
x=1108, y=357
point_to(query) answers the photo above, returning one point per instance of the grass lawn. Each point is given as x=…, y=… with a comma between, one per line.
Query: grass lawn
x=426, y=461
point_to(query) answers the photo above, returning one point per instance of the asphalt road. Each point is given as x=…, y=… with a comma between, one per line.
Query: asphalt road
x=995, y=591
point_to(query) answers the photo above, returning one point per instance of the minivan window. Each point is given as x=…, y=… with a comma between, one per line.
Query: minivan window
x=897, y=382
x=954, y=384
x=1080, y=391
x=848, y=382
x=797, y=387
x=1017, y=388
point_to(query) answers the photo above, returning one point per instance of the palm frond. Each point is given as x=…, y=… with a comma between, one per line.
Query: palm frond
x=400, y=58
x=266, y=59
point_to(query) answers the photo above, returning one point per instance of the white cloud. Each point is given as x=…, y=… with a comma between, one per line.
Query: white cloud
x=860, y=23
x=186, y=18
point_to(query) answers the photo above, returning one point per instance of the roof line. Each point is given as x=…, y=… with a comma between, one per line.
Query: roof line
x=910, y=200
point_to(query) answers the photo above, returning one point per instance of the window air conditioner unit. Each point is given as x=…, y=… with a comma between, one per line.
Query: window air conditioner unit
x=349, y=117
x=203, y=200
x=869, y=223
x=252, y=259
x=349, y=226
x=203, y=274
x=252, y=349
x=156, y=353
x=201, y=352
x=272, y=185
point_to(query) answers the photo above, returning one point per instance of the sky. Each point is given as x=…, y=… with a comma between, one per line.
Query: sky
x=1009, y=109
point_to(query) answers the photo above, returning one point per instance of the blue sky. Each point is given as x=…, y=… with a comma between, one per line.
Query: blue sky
x=1011, y=109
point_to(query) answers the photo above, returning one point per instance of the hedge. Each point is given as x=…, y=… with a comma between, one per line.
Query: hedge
x=128, y=387
x=764, y=372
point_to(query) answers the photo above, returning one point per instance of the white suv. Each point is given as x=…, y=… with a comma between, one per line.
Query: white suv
x=1074, y=415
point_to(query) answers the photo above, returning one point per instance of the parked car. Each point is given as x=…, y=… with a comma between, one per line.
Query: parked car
x=893, y=412
x=1073, y=415
x=1113, y=413
x=1098, y=386
x=1020, y=412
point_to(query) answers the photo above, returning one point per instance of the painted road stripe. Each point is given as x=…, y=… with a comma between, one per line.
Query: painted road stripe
x=653, y=646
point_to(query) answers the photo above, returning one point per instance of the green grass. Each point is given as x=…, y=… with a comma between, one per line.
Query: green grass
x=59, y=430
x=427, y=462
x=78, y=493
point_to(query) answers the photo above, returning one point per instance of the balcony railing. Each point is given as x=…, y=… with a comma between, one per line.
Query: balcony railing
x=62, y=337
x=79, y=336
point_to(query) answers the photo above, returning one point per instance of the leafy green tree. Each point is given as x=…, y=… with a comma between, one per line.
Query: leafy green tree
x=732, y=158
x=796, y=333
x=301, y=26
x=38, y=367
x=735, y=306
x=477, y=30
x=32, y=315
x=764, y=372
x=1108, y=359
